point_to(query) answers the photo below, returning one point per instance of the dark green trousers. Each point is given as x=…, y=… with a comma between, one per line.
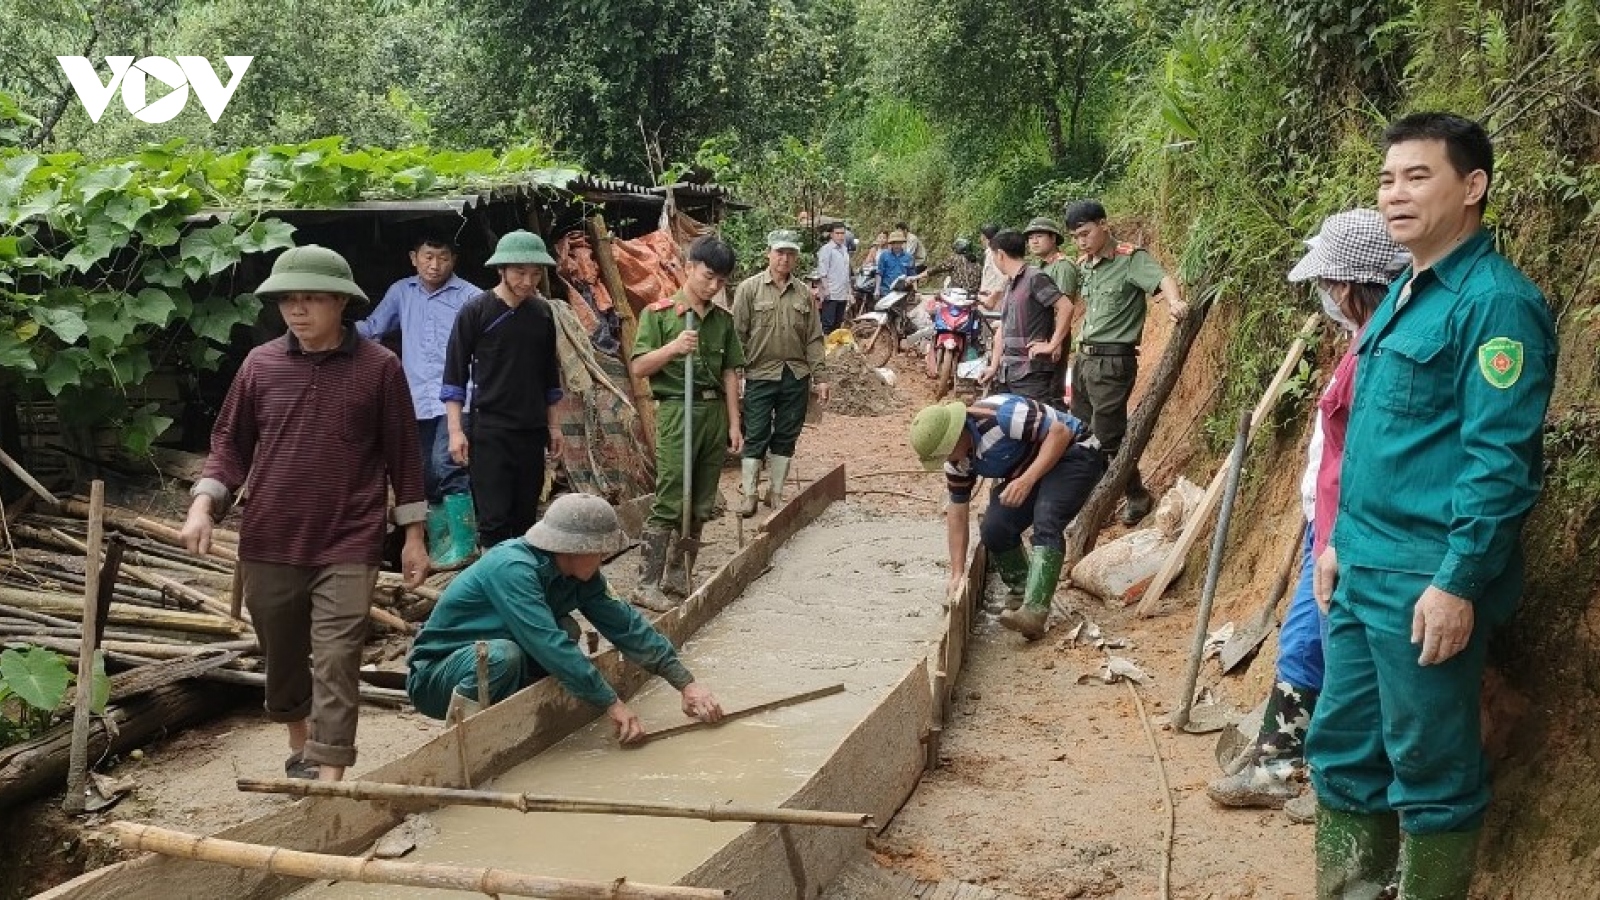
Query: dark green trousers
x=774, y=412
x=710, y=447
x=1392, y=735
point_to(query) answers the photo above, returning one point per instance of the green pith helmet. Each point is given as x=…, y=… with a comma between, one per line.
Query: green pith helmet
x=520, y=248
x=312, y=270
x=1044, y=224
x=577, y=523
x=935, y=430
x=783, y=239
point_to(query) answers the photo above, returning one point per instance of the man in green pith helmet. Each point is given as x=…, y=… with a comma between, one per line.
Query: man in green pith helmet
x=1115, y=278
x=666, y=337
x=781, y=332
x=1042, y=476
x=518, y=599
x=504, y=344
x=1442, y=462
x=319, y=423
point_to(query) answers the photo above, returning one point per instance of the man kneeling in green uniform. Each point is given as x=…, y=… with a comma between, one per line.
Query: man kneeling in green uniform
x=519, y=598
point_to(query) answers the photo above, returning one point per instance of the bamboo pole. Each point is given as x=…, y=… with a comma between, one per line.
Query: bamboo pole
x=607, y=264
x=676, y=730
x=419, y=795
x=27, y=479
x=78, y=754
x=138, y=573
x=57, y=604
x=300, y=864
x=1201, y=517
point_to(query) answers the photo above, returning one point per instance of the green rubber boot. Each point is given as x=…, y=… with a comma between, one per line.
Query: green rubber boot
x=462, y=533
x=1012, y=566
x=1356, y=853
x=437, y=527
x=1437, y=866
x=1044, y=570
x=652, y=561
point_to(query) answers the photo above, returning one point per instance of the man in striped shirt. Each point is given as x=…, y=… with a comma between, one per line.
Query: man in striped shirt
x=1043, y=463
x=319, y=424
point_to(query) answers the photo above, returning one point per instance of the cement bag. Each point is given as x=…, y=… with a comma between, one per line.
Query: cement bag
x=1118, y=572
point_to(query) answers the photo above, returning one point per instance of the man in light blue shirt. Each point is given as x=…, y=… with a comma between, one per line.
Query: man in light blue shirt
x=833, y=261
x=423, y=308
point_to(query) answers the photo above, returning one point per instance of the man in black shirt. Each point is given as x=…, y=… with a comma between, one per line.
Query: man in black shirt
x=504, y=343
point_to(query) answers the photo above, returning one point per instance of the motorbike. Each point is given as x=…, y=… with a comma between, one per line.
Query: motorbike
x=879, y=331
x=863, y=290
x=956, y=326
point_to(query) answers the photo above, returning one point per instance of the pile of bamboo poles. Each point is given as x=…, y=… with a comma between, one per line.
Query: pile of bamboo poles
x=166, y=602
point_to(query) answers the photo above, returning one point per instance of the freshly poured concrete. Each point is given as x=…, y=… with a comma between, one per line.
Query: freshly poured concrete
x=851, y=599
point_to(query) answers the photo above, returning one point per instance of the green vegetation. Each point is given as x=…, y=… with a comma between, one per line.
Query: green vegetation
x=34, y=683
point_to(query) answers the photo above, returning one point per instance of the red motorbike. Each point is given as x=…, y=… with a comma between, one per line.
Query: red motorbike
x=955, y=329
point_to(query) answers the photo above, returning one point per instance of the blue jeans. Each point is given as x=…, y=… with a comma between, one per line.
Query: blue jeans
x=440, y=474
x=1300, y=636
x=1049, y=509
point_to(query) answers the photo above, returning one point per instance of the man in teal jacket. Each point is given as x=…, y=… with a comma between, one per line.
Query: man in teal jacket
x=519, y=598
x=1442, y=463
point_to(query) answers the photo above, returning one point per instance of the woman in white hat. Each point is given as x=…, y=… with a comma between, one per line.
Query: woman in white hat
x=1351, y=261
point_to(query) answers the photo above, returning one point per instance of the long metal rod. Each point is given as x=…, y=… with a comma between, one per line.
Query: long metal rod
x=688, y=458
x=528, y=803
x=1202, y=620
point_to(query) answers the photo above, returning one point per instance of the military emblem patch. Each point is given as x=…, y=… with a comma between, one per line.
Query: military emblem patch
x=1500, y=361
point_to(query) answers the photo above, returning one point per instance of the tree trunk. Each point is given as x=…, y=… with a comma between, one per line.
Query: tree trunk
x=1050, y=109
x=1086, y=526
x=38, y=766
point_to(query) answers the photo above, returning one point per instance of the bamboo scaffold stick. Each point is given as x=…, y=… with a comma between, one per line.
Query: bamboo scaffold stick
x=300, y=864
x=416, y=795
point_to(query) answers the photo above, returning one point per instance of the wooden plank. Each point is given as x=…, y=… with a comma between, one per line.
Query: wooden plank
x=874, y=769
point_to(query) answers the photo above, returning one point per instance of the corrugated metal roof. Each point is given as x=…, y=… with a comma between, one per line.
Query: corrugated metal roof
x=589, y=187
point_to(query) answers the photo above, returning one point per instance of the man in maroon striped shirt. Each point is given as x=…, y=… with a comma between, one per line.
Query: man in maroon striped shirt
x=318, y=424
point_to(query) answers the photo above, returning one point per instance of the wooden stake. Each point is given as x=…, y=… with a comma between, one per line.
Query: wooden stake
x=1201, y=517
x=78, y=754
x=649, y=736
x=483, y=674
x=418, y=795
x=299, y=864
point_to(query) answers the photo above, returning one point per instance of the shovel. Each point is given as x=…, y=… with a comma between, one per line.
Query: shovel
x=1245, y=641
x=687, y=547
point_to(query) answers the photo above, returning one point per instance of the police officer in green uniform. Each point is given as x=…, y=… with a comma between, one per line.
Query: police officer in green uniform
x=1441, y=465
x=665, y=337
x=1115, y=279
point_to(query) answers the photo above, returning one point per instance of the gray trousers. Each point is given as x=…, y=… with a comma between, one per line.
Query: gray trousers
x=315, y=613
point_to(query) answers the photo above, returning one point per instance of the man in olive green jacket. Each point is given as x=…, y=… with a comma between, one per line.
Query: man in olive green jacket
x=781, y=332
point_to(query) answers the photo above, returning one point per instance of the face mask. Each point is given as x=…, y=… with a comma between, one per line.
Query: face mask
x=1330, y=308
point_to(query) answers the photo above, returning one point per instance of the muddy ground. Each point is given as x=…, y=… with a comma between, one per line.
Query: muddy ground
x=1047, y=788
